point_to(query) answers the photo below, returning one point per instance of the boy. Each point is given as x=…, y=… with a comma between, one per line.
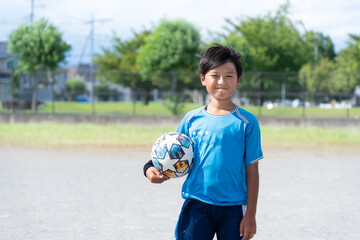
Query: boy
x=221, y=189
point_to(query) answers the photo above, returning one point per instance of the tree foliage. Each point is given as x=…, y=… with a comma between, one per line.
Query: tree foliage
x=337, y=74
x=105, y=92
x=38, y=47
x=118, y=63
x=269, y=43
x=171, y=48
x=348, y=61
x=273, y=43
x=317, y=47
x=75, y=86
x=349, y=58
x=320, y=77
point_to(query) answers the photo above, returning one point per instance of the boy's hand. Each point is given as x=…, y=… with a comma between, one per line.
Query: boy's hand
x=247, y=227
x=155, y=176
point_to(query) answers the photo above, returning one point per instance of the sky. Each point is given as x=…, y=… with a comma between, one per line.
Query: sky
x=335, y=18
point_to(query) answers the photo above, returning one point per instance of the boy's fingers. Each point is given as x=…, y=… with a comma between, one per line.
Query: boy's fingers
x=241, y=229
x=246, y=236
x=158, y=174
x=158, y=178
x=155, y=176
x=164, y=178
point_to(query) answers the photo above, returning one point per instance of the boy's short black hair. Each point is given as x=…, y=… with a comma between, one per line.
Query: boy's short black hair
x=217, y=55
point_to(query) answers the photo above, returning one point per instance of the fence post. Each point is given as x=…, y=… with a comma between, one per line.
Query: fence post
x=12, y=86
x=348, y=93
x=259, y=95
x=133, y=85
x=283, y=94
x=53, y=98
x=92, y=86
x=304, y=95
x=93, y=99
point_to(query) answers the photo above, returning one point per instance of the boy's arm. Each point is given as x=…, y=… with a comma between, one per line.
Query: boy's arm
x=153, y=174
x=248, y=223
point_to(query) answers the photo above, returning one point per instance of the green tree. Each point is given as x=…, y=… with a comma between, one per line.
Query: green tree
x=121, y=57
x=105, y=92
x=320, y=77
x=319, y=73
x=318, y=46
x=348, y=61
x=172, y=49
x=118, y=63
x=333, y=75
x=270, y=43
x=273, y=43
x=74, y=87
x=38, y=47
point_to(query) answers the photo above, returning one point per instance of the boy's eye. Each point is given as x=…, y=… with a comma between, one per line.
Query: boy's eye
x=229, y=76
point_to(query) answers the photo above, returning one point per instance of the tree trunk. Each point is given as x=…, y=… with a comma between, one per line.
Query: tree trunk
x=174, y=93
x=133, y=93
x=34, y=95
x=51, y=81
x=174, y=83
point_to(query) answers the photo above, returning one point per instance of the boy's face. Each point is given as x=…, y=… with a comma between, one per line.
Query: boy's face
x=221, y=81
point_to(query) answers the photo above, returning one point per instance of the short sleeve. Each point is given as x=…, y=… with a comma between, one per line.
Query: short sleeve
x=253, y=152
x=183, y=127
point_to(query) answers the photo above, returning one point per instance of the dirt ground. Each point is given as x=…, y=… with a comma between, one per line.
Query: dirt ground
x=88, y=194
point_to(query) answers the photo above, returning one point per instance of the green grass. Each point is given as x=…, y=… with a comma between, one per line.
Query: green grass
x=160, y=109
x=91, y=135
x=108, y=108
x=83, y=134
x=308, y=111
x=314, y=138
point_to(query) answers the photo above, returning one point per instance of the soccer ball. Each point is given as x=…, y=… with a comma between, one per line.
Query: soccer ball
x=172, y=154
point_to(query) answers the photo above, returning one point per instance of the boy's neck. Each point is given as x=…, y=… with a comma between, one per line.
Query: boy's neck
x=220, y=108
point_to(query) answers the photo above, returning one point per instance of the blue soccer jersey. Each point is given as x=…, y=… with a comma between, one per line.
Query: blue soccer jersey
x=223, y=147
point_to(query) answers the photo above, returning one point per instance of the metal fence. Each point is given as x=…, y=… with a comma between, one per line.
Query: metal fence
x=263, y=93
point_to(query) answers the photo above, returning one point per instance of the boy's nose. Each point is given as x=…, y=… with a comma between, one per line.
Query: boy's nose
x=221, y=80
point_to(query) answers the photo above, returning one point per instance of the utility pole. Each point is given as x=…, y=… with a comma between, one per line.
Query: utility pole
x=316, y=47
x=92, y=44
x=32, y=12
x=316, y=38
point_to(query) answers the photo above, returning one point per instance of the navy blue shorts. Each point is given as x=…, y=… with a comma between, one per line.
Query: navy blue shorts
x=201, y=221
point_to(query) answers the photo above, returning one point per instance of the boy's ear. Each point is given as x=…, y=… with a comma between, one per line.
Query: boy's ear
x=238, y=81
x=202, y=78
